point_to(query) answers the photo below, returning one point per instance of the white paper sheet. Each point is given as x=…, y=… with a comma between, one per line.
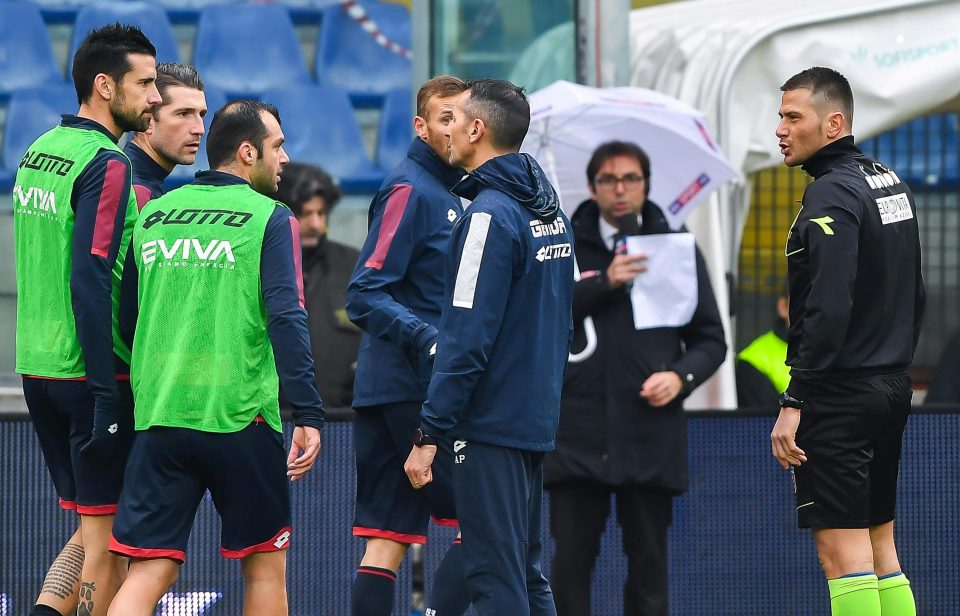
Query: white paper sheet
x=666, y=294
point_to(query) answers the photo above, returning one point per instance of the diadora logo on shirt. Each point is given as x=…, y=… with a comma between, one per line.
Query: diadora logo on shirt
x=34, y=200
x=189, y=253
x=451, y=215
x=47, y=163
x=544, y=229
x=553, y=251
x=197, y=217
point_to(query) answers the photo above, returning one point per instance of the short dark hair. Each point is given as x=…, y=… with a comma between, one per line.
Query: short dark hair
x=611, y=149
x=234, y=123
x=106, y=50
x=504, y=109
x=170, y=74
x=442, y=86
x=302, y=182
x=829, y=84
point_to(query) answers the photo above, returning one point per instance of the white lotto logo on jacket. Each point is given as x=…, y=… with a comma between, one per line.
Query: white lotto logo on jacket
x=186, y=252
x=553, y=251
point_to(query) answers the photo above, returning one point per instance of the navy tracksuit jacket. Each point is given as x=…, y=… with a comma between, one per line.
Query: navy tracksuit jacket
x=396, y=289
x=507, y=313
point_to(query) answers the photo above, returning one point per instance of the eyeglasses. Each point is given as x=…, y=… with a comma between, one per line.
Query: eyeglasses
x=609, y=182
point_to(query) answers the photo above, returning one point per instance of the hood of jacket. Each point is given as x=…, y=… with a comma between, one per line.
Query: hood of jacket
x=518, y=176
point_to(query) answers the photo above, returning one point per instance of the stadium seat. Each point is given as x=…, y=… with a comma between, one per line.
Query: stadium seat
x=321, y=129
x=246, y=49
x=26, y=55
x=923, y=152
x=32, y=112
x=396, y=128
x=350, y=58
x=150, y=18
x=184, y=175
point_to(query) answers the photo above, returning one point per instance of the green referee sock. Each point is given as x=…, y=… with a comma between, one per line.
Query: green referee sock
x=896, y=598
x=856, y=594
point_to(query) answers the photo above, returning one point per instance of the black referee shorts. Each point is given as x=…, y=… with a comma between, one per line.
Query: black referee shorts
x=852, y=434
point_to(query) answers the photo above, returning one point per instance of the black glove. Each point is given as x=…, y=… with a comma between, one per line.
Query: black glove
x=105, y=433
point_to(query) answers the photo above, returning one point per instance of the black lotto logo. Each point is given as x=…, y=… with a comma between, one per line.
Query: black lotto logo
x=227, y=218
x=47, y=163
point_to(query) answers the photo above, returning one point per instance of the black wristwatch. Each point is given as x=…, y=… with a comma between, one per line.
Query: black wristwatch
x=420, y=438
x=786, y=400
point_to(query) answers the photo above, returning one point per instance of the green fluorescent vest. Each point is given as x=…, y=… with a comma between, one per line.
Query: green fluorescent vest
x=43, y=220
x=768, y=354
x=201, y=355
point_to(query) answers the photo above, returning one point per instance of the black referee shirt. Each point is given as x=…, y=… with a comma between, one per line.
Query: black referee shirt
x=853, y=255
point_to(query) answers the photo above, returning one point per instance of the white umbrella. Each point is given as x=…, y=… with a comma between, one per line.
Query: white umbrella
x=568, y=121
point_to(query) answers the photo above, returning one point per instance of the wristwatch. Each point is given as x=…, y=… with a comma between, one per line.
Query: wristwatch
x=420, y=438
x=786, y=400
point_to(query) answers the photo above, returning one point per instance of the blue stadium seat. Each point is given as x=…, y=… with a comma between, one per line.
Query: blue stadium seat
x=184, y=175
x=26, y=55
x=396, y=128
x=350, y=58
x=320, y=128
x=246, y=49
x=150, y=18
x=923, y=152
x=31, y=113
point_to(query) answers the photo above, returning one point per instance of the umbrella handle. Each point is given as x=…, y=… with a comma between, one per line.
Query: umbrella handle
x=591, y=333
x=588, y=327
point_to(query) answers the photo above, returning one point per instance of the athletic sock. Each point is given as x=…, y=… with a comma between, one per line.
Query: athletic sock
x=449, y=597
x=43, y=610
x=896, y=598
x=373, y=590
x=856, y=594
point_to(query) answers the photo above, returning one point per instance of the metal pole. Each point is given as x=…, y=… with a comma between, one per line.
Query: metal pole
x=603, y=42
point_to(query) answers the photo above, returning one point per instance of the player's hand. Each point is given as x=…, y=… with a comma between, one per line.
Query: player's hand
x=105, y=433
x=661, y=388
x=624, y=268
x=304, y=447
x=783, y=439
x=418, y=465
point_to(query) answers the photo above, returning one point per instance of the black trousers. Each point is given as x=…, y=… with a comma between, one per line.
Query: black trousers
x=578, y=515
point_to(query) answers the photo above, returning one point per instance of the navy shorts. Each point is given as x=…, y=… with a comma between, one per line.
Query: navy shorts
x=62, y=415
x=387, y=505
x=169, y=471
x=852, y=433
x=499, y=493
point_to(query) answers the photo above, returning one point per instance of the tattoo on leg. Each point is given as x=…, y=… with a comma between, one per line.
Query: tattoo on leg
x=85, y=605
x=64, y=572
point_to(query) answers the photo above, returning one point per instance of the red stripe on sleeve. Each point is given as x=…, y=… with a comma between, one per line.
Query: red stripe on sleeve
x=113, y=181
x=297, y=256
x=392, y=214
x=143, y=195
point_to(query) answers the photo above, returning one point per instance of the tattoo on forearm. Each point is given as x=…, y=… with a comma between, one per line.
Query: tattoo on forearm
x=85, y=604
x=64, y=572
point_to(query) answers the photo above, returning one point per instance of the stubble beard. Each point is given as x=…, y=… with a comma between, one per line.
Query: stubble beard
x=128, y=119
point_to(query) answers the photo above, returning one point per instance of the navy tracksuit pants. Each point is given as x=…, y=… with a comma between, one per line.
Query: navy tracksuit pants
x=499, y=497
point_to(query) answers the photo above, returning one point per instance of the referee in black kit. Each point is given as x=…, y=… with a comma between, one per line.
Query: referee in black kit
x=856, y=302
